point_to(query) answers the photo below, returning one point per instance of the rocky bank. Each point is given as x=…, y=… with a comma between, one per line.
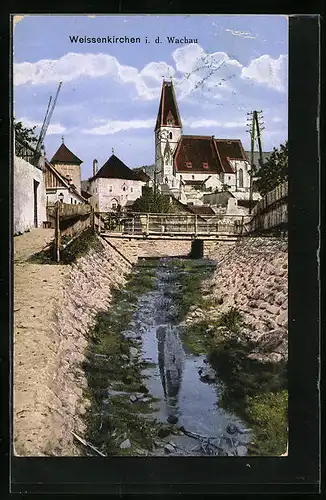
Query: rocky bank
x=252, y=276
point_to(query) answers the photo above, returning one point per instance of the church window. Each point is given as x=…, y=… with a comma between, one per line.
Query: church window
x=193, y=177
x=188, y=164
x=110, y=189
x=205, y=164
x=71, y=200
x=240, y=178
x=75, y=202
x=170, y=135
x=131, y=189
x=124, y=188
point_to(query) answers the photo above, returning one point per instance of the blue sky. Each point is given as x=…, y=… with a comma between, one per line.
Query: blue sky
x=110, y=92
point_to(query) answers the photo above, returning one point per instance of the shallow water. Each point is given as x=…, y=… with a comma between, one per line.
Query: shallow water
x=173, y=378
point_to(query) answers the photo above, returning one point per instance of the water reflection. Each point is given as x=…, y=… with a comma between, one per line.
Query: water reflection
x=171, y=363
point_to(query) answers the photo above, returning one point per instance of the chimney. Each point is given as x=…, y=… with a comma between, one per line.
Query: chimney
x=95, y=163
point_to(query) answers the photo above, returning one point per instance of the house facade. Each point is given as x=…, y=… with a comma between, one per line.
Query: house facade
x=68, y=165
x=60, y=188
x=63, y=177
x=29, y=194
x=187, y=165
x=114, y=185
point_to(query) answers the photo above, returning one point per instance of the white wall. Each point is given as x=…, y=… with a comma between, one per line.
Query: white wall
x=52, y=195
x=162, y=165
x=107, y=191
x=245, y=167
x=24, y=176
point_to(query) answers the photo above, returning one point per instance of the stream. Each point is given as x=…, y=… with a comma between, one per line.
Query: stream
x=185, y=387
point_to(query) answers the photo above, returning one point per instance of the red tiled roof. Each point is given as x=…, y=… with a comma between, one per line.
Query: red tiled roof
x=168, y=109
x=64, y=155
x=114, y=168
x=197, y=149
x=229, y=149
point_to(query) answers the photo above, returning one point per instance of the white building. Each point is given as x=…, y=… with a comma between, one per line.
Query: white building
x=29, y=194
x=190, y=165
x=114, y=185
x=60, y=188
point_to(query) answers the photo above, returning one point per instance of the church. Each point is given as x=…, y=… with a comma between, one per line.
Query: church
x=191, y=166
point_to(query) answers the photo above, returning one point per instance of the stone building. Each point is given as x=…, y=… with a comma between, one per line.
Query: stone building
x=114, y=185
x=68, y=165
x=188, y=166
x=60, y=188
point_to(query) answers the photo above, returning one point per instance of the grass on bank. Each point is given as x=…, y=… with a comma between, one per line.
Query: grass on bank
x=86, y=241
x=256, y=391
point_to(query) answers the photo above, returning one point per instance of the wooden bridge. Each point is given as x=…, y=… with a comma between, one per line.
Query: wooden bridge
x=70, y=221
x=176, y=226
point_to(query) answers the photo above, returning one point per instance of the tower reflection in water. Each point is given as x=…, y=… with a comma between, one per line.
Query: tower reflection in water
x=171, y=362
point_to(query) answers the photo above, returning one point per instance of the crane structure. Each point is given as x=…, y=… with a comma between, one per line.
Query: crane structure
x=46, y=121
x=255, y=129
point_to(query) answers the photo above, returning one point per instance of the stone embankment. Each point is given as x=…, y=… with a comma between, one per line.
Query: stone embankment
x=252, y=276
x=49, y=344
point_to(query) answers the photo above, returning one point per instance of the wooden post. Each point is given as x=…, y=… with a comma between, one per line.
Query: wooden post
x=57, y=231
x=196, y=224
x=147, y=223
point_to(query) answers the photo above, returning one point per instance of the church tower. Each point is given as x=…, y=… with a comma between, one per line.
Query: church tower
x=168, y=131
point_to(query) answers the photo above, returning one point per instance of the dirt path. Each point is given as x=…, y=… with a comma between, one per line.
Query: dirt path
x=37, y=287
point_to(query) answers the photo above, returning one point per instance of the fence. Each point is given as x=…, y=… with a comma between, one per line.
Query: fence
x=173, y=224
x=69, y=222
x=271, y=212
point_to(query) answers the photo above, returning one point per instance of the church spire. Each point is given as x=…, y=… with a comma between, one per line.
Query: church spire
x=168, y=112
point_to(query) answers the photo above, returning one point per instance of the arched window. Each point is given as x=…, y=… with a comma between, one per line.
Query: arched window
x=240, y=178
x=114, y=204
x=170, y=135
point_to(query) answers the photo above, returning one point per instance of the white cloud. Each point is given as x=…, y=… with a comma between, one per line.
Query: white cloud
x=202, y=71
x=72, y=66
x=54, y=128
x=114, y=126
x=243, y=34
x=203, y=123
x=194, y=71
x=268, y=71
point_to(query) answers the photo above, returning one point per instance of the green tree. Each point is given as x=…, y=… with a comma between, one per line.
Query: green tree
x=274, y=171
x=25, y=134
x=153, y=202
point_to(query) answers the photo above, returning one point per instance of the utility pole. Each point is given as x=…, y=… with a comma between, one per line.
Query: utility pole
x=254, y=125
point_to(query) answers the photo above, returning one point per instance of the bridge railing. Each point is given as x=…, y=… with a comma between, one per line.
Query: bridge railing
x=173, y=224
